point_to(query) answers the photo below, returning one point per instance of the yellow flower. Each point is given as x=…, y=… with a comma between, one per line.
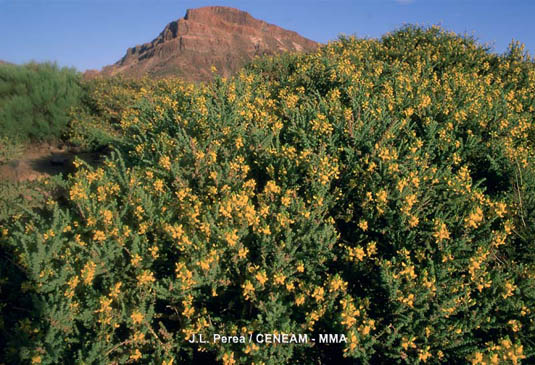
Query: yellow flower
x=365, y=329
x=265, y=230
x=176, y=232
x=261, y=277
x=318, y=293
x=285, y=200
x=73, y=283
x=137, y=317
x=321, y=125
x=515, y=325
x=508, y=226
x=231, y=237
x=381, y=196
x=107, y=216
x=337, y=284
x=238, y=142
x=139, y=337
x=136, y=259
x=248, y=289
x=228, y=359
x=477, y=358
x=409, y=300
x=357, y=253
x=104, y=305
x=242, y=253
x=145, y=278
x=363, y=224
x=474, y=218
x=188, y=311
x=158, y=186
x=279, y=278
x=136, y=355
x=116, y=290
x=409, y=200
x=165, y=162
x=88, y=272
x=271, y=187
x=371, y=249
x=99, y=236
x=139, y=212
x=509, y=289
x=77, y=192
x=407, y=342
x=441, y=232
x=501, y=209
x=91, y=221
x=154, y=252
x=424, y=355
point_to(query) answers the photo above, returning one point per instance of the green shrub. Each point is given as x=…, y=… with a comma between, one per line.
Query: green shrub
x=35, y=100
x=381, y=190
x=10, y=149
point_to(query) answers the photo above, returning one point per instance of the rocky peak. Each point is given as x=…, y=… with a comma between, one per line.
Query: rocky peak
x=223, y=13
x=214, y=35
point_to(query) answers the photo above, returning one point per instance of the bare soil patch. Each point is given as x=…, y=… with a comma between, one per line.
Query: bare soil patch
x=43, y=160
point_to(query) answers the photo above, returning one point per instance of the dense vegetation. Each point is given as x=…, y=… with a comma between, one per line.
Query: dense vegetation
x=36, y=100
x=380, y=189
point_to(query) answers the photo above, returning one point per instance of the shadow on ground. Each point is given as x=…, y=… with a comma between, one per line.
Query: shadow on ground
x=44, y=160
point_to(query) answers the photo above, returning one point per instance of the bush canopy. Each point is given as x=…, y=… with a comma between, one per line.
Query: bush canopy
x=36, y=100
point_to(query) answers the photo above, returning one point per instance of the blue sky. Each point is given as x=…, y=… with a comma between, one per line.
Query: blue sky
x=89, y=34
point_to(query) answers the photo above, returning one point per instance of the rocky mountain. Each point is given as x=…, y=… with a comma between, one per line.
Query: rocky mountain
x=223, y=37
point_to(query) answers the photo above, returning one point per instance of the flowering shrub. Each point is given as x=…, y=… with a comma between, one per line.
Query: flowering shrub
x=383, y=190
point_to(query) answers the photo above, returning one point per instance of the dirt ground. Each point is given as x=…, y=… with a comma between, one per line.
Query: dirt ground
x=42, y=160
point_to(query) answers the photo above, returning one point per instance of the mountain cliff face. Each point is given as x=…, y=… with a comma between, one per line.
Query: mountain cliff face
x=217, y=36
